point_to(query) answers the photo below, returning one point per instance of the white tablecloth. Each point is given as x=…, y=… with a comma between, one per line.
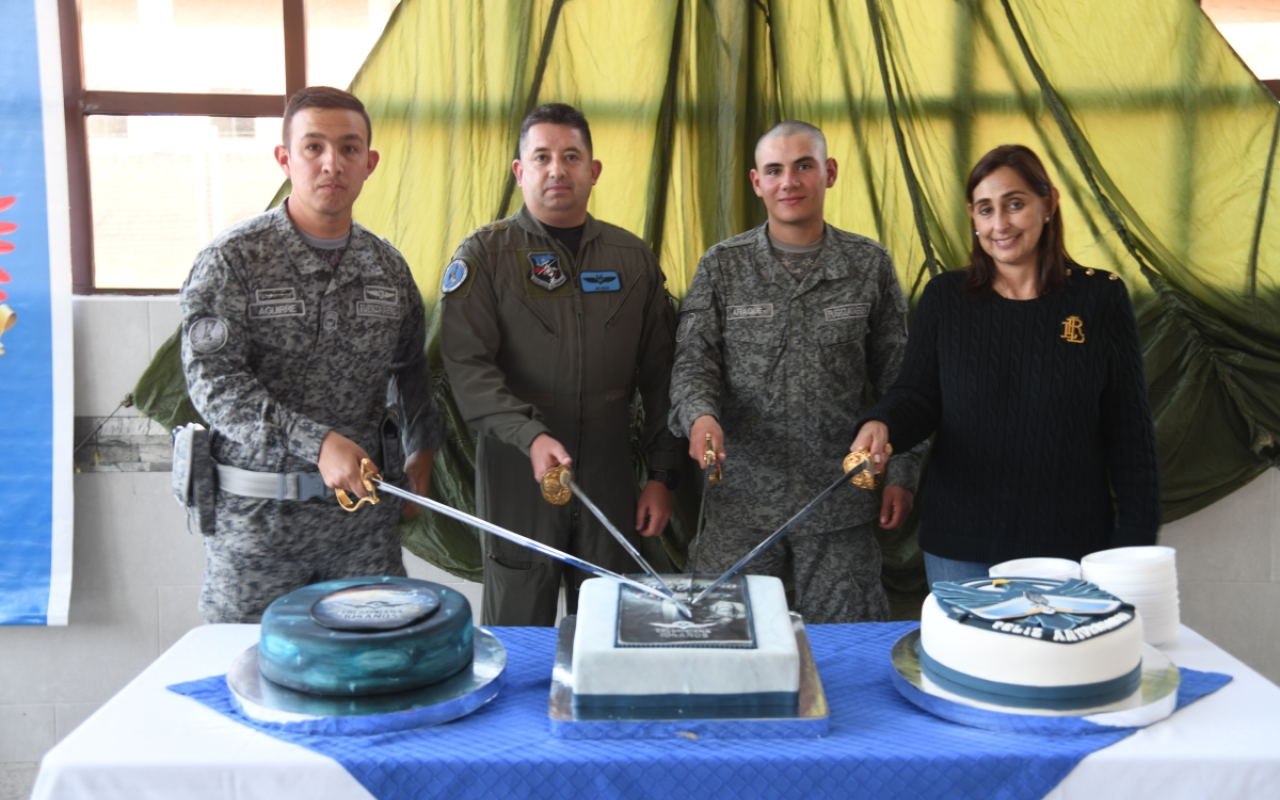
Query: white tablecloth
x=147, y=742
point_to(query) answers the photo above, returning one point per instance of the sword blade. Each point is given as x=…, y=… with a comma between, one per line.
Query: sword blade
x=626, y=545
x=511, y=536
x=780, y=532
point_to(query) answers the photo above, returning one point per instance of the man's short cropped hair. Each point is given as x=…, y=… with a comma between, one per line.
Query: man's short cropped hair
x=325, y=97
x=790, y=127
x=555, y=114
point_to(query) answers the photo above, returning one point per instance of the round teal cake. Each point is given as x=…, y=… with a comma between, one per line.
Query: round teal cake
x=363, y=636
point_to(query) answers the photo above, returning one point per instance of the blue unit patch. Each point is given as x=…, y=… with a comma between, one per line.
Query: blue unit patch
x=601, y=282
x=454, y=275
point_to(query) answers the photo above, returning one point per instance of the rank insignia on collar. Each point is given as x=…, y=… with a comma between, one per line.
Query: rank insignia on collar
x=601, y=282
x=454, y=275
x=546, y=271
x=1073, y=330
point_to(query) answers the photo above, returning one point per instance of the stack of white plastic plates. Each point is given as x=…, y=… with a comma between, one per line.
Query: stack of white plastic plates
x=1058, y=569
x=1144, y=576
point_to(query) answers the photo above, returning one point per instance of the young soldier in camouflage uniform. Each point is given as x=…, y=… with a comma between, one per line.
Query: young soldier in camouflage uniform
x=551, y=320
x=783, y=330
x=298, y=327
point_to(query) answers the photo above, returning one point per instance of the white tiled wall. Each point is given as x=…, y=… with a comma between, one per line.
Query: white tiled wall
x=137, y=569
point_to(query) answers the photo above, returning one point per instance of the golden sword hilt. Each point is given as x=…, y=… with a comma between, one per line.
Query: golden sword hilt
x=710, y=460
x=868, y=478
x=367, y=477
x=555, y=485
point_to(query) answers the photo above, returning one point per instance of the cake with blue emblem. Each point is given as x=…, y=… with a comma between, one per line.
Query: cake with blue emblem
x=365, y=636
x=1056, y=645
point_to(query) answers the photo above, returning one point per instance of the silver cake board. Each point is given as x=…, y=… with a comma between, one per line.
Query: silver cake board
x=810, y=722
x=1154, y=700
x=459, y=695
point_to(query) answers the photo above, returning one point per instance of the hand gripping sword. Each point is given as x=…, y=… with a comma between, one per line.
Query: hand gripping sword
x=558, y=486
x=858, y=470
x=373, y=482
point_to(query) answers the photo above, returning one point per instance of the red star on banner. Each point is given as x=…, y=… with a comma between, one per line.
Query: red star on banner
x=6, y=247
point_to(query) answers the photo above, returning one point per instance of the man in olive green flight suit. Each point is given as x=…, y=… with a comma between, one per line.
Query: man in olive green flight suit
x=551, y=320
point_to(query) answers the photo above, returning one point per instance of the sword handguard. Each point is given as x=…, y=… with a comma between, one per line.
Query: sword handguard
x=710, y=460
x=367, y=477
x=555, y=485
x=868, y=478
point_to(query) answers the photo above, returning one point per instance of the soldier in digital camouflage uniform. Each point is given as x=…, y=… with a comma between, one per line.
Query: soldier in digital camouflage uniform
x=785, y=334
x=298, y=327
x=551, y=321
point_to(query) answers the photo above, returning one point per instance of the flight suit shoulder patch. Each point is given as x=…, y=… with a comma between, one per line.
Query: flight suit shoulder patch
x=457, y=278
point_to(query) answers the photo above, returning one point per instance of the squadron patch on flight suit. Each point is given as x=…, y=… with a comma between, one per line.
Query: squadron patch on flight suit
x=207, y=335
x=601, y=282
x=454, y=275
x=687, y=325
x=546, y=271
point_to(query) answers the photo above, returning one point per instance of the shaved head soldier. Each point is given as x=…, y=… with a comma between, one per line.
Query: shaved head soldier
x=783, y=329
x=552, y=320
x=302, y=344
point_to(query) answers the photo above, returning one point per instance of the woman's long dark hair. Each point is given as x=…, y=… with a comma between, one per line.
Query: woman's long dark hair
x=1052, y=252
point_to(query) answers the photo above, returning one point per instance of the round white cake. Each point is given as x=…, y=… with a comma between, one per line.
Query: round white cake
x=1058, y=645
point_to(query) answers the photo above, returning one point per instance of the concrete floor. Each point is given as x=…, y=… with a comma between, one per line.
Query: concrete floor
x=17, y=778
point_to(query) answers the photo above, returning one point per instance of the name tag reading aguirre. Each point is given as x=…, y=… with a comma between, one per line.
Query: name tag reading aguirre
x=293, y=308
x=721, y=619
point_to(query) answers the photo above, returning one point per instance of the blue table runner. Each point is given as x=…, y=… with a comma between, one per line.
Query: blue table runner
x=879, y=745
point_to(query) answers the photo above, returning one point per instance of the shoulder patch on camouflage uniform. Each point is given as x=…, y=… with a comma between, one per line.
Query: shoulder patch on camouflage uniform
x=457, y=277
x=687, y=324
x=207, y=335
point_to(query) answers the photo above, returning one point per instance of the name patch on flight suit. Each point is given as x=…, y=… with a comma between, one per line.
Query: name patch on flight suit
x=601, y=282
x=757, y=311
x=276, y=295
x=295, y=308
x=847, y=312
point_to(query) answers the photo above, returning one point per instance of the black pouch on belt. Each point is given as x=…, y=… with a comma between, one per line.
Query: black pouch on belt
x=194, y=476
x=392, y=456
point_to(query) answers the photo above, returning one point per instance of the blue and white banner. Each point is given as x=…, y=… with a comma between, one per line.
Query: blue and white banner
x=35, y=322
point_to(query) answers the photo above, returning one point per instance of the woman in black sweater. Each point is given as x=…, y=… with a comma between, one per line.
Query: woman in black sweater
x=1028, y=368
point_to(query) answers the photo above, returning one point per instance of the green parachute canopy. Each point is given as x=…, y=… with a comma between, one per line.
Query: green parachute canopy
x=1161, y=142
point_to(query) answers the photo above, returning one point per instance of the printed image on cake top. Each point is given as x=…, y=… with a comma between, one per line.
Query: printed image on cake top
x=721, y=619
x=374, y=607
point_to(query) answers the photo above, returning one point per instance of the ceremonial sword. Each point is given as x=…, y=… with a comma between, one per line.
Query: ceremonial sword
x=373, y=481
x=858, y=470
x=558, y=486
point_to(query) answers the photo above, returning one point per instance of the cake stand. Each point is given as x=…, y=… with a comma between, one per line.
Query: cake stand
x=264, y=701
x=810, y=722
x=1153, y=701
